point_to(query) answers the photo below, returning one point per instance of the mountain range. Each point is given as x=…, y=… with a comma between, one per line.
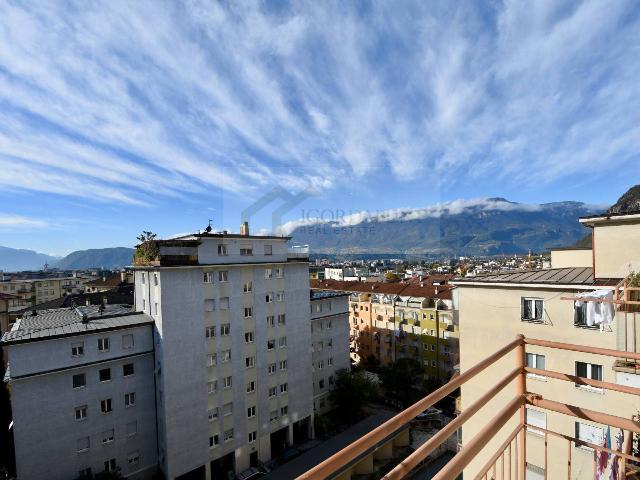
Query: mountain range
x=485, y=226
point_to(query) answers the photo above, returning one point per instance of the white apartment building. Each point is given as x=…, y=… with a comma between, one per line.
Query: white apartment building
x=329, y=343
x=82, y=393
x=233, y=363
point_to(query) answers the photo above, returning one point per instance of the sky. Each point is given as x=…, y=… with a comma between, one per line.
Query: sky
x=120, y=116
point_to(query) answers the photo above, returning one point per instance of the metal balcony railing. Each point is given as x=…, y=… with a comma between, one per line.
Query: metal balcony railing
x=298, y=251
x=510, y=459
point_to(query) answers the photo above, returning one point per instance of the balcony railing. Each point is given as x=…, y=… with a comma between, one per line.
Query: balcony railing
x=510, y=458
x=298, y=251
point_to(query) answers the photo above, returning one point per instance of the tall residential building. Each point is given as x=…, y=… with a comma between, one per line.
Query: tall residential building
x=82, y=393
x=547, y=305
x=232, y=337
x=329, y=343
x=410, y=319
x=40, y=290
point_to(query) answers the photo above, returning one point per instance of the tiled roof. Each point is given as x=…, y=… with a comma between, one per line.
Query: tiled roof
x=388, y=288
x=121, y=295
x=62, y=322
x=110, y=281
x=549, y=276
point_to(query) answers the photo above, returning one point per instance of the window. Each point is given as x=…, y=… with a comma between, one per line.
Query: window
x=251, y=412
x=212, y=387
x=268, y=249
x=268, y=273
x=127, y=369
x=214, y=441
x=330, y=361
x=269, y=297
x=131, y=428
x=227, y=409
x=210, y=332
x=103, y=344
x=280, y=297
x=534, y=472
x=225, y=329
x=127, y=341
x=589, y=433
x=536, y=418
x=224, y=303
x=209, y=304
x=532, y=309
x=272, y=368
x=270, y=321
x=129, y=399
x=82, y=444
x=279, y=272
x=133, y=459
x=535, y=360
x=284, y=387
x=226, y=382
x=282, y=341
x=107, y=436
x=248, y=312
x=273, y=391
x=321, y=383
x=85, y=473
x=250, y=362
x=81, y=412
x=212, y=360
x=105, y=406
x=79, y=380
x=77, y=349
x=155, y=279
x=110, y=465
x=283, y=364
x=105, y=375
x=251, y=387
x=580, y=316
x=284, y=411
x=247, y=287
x=212, y=414
x=273, y=415
x=223, y=276
x=271, y=344
x=228, y=435
x=591, y=371
x=320, y=364
x=225, y=356
x=222, y=249
x=253, y=436
x=248, y=337
x=246, y=250
x=433, y=348
x=331, y=380
x=281, y=319
x=208, y=277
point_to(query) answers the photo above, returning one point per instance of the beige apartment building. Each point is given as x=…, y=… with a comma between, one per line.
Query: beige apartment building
x=541, y=304
x=35, y=291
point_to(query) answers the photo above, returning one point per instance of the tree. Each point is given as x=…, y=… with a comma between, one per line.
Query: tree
x=399, y=381
x=351, y=393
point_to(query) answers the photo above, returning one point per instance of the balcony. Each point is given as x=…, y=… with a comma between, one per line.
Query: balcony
x=509, y=459
x=296, y=252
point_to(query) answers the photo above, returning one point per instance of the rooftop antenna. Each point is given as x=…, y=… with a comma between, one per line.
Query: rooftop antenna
x=209, y=227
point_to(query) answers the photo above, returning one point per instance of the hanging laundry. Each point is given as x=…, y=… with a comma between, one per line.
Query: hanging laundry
x=614, y=473
x=603, y=457
x=598, y=312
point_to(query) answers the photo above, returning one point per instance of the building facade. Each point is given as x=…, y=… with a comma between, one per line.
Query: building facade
x=231, y=312
x=329, y=344
x=35, y=291
x=82, y=393
x=541, y=304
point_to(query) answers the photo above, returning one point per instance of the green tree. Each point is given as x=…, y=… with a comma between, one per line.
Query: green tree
x=351, y=393
x=399, y=381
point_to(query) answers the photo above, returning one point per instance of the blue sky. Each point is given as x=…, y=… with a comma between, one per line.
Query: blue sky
x=121, y=116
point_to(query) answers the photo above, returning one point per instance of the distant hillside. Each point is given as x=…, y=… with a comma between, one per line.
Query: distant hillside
x=96, y=257
x=629, y=202
x=486, y=226
x=13, y=259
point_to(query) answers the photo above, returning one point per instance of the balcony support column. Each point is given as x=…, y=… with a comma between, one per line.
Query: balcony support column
x=521, y=390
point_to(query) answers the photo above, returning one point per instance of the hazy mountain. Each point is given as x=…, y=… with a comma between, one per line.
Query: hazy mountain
x=97, y=257
x=488, y=226
x=629, y=202
x=13, y=259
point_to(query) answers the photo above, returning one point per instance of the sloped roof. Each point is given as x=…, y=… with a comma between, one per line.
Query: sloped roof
x=388, y=288
x=550, y=276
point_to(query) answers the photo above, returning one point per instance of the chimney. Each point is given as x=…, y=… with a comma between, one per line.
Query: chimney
x=87, y=301
x=244, y=229
x=105, y=300
x=123, y=277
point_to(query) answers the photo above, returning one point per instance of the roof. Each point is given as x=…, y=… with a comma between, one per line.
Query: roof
x=603, y=217
x=196, y=236
x=110, y=281
x=579, y=276
x=64, y=322
x=7, y=296
x=322, y=294
x=395, y=288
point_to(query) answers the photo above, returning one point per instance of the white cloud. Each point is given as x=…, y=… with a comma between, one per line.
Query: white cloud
x=123, y=101
x=18, y=222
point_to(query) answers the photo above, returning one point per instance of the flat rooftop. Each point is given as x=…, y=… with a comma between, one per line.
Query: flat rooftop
x=65, y=322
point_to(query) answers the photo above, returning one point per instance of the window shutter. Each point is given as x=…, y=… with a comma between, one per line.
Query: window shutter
x=539, y=310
